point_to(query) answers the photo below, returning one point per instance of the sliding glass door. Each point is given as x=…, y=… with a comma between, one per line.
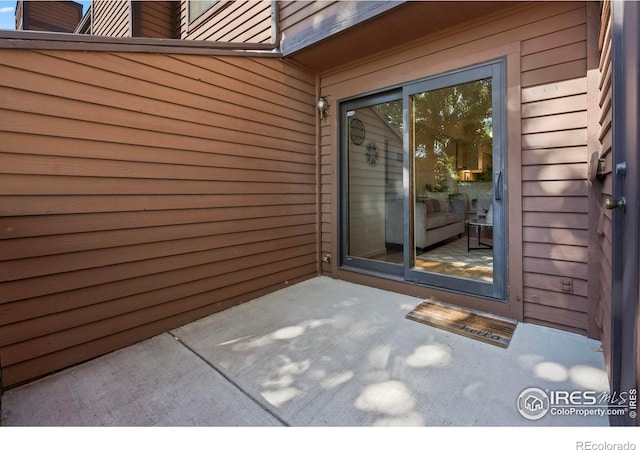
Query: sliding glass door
x=423, y=182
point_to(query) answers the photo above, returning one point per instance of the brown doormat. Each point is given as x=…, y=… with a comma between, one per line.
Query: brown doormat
x=482, y=327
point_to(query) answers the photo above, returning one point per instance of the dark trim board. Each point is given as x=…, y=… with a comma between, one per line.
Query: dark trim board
x=331, y=26
x=82, y=42
x=625, y=264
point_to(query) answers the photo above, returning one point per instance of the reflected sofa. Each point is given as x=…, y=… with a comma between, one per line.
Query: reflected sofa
x=437, y=219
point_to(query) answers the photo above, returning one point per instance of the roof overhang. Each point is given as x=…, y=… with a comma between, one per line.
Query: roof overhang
x=394, y=26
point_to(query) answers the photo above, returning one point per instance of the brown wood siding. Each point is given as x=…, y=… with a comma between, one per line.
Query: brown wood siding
x=604, y=223
x=295, y=16
x=157, y=19
x=554, y=173
x=111, y=18
x=239, y=21
x=62, y=16
x=141, y=192
x=551, y=39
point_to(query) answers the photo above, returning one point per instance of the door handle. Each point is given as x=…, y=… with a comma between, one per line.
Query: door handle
x=612, y=204
x=497, y=188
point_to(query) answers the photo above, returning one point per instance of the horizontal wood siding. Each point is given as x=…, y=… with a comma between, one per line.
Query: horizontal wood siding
x=157, y=19
x=140, y=192
x=554, y=174
x=296, y=16
x=111, y=18
x=604, y=307
x=61, y=16
x=239, y=21
x=552, y=42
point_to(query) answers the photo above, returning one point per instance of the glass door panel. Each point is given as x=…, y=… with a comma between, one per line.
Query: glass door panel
x=451, y=143
x=374, y=171
x=454, y=211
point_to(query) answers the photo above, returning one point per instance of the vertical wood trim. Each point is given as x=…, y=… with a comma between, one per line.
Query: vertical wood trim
x=594, y=292
x=604, y=226
x=515, y=276
x=335, y=173
x=130, y=18
x=26, y=14
x=135, y=18
x=318, y=180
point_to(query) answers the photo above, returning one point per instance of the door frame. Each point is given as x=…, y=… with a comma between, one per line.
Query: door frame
x=496, y=68
x=514, y=309
x=625, y=263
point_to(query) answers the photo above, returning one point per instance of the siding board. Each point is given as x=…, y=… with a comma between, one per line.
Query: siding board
x=141, y=191
x=52, y=165
x=545, y=156
x=560, y=172
x=46, y=225
x=554, y=56
x=556, y=252
x=572, y=320
x=555, y=284
x=61, y=244
x=554, y=90
x=188, y=152
x=553, y=40
x=560, y=235
x=554, y=106
x=564, y=71
x=556, y=299
x=555, y=188
x=567, y=268
x=555, y=122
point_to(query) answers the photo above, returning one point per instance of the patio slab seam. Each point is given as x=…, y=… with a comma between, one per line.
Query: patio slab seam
x=230, y=380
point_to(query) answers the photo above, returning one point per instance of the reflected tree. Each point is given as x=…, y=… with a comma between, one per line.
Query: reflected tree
x=447, y=120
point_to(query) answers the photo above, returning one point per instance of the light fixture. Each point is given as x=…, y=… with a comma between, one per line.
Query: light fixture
x=323, y=107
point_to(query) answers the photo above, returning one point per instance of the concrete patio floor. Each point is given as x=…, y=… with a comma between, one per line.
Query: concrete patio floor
x=319, y=353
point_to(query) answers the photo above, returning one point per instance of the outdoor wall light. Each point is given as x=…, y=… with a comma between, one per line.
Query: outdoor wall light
x=323, y=107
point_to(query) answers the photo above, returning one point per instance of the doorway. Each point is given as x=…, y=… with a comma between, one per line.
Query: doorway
x=423, y=182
